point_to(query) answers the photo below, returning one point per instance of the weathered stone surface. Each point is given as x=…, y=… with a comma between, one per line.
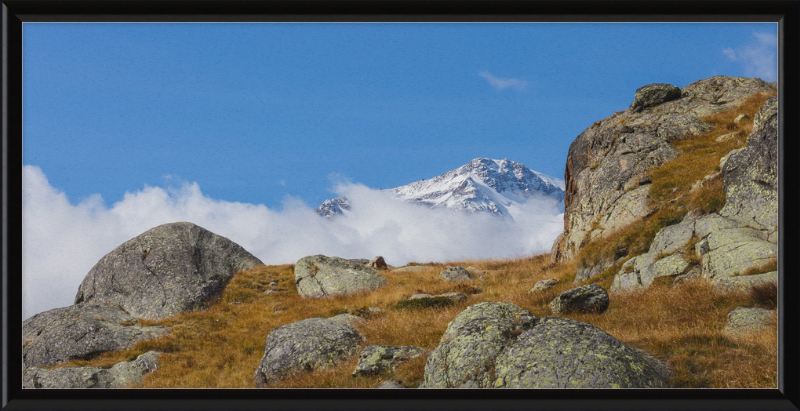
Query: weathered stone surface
x=377, y=263
x=692, y=276
x=585, y=273
x=747, y=320
x=453, y=296
x=653, y=95
x=166, y=270
x=320, y=276
x=725, y=137
x=359, y=261
x=590, y=298
x=543, y=285
x=751, y=175
x=743, y=284
x=80, y=331
x=500, y=345
x=735, y=250
x=740, y=118
x=348, y=319
x=378, y=359
x=122, y=375
x=455, y=274
x=310, y=344
x=607, y=160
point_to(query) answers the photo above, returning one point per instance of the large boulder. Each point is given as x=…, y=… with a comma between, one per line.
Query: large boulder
x=500, y=345
x=453, y=274
x=653, y=95
x=590, y=298
x=166, y=270
x=751, y=175
x=122, y=375
x=305, y=345
x=80, y=331
x=378, y=359
x=607, y=164
x=320, y=276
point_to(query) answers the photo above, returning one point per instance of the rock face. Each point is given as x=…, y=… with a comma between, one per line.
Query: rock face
x=122, y=375
x=590, y=298
x=166, y=270
x=309, y=344
x=500, y=345
x=606, y=164
x=745, y=320
x=653, y=95
x=743, y=284
x=377, y=359
x=751, y=175
x=320, y=276
x=453, y=274
x=76, y=332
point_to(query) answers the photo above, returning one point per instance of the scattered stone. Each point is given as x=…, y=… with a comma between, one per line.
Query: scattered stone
x=165, y=271
x=273, y=292
x=306, y=345
x=743, y=283
x=740, y=117
x=391, y=384
x=374, y=309
x=377, y=263
x=590, y=298
x=122, y=375
x=543, y=285
x=456, y=274
x=273, y=283
x=80, y=331
x=320, y=276
x=725, y=137
x=500, y=345
x=747, y=320
x=653, y=95
x=378, y=359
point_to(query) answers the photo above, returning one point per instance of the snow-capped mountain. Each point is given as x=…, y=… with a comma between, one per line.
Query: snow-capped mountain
x=482, y=185
x=336, y=206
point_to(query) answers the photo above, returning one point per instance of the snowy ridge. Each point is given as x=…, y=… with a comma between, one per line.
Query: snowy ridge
x=498, y=187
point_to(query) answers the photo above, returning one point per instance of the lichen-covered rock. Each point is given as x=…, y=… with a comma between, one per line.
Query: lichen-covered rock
x=122, y=375
x=378, y=263
x=80, y=331
x=377, y=359
x=693, y=275
x=585, y=273
x=590, y=298
x=751, y=175
x=743, y=283
x=733, y=251
x=452, y=296
x=653, y=95
x=607, y=161
x=543, y=285
x=746, y=320
x=456, y=274
x=309, y=344
x=500, y=345
x=166, y=270
x=320, y=276
x=349, y=319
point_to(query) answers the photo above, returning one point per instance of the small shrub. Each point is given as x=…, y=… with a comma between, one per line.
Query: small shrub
x=424, y=303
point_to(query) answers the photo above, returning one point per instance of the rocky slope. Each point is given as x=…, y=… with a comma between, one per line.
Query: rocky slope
x=482, y=185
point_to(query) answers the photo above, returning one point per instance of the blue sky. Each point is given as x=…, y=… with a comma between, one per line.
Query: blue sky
x=255, y=112
x=244, y=129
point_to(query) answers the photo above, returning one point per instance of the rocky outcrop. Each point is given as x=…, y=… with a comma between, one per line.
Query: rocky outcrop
x=122, y=375
x=500, y=345
x=590, y=298
x=320, y=276
x=453, y=274
x=743, y=284
x=79, y=332
x=306, y=345
x=166, y=270
x=378, y=263
x=653, y=95
x=378, y=359
x=747, y=320
x=751, y=176
x=607, y=164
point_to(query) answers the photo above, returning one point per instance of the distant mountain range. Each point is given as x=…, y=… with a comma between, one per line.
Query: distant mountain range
x=498, y=187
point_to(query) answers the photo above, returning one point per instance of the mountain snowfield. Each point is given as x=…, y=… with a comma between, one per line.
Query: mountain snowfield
x=497, y=187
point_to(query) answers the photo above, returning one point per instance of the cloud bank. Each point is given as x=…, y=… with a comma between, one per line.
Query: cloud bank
x=504, y=83
x=759, y=57
x=62, y=241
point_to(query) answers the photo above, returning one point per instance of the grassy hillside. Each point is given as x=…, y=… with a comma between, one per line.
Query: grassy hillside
x=221, y=347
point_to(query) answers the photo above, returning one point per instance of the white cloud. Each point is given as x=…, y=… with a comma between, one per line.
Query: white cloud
x=62, y=241
x=504, y=83
x=759, y=56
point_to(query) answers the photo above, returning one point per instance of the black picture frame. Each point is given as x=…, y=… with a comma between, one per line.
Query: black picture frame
x=16, y=12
